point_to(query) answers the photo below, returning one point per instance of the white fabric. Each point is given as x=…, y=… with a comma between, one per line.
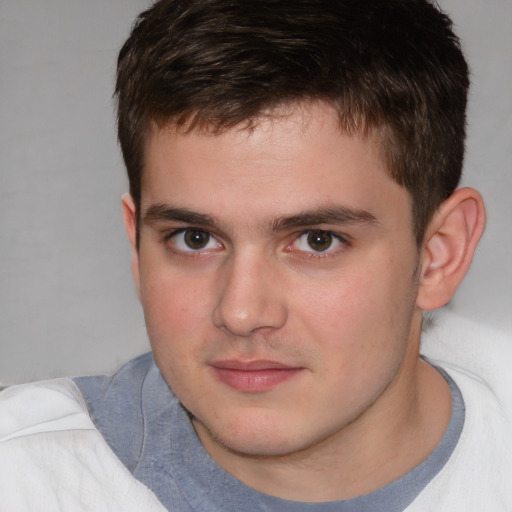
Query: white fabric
x=52, y=459
x=478, y=476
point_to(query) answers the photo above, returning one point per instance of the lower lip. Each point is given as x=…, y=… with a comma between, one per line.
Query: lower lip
x=254, y=380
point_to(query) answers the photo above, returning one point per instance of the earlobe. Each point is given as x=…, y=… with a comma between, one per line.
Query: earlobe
x=130, y=223
x=450, y=243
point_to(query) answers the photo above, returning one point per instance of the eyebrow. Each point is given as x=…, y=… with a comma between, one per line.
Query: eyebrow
x=162, y=212
x=325, y=215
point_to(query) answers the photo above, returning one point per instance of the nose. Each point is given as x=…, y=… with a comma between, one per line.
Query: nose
x=251, y=297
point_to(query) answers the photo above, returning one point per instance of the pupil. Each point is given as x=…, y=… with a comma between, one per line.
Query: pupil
x=196, y=239
x=319, y=240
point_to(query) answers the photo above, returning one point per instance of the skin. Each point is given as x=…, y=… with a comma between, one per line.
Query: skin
x=358, y=408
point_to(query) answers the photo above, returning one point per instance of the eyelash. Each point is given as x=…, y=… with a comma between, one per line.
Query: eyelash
x=328, y=252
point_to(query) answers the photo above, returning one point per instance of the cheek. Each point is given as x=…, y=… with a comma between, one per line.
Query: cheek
x=174, y=308
x=343, y=301
x=361, y=312
x=175, y=318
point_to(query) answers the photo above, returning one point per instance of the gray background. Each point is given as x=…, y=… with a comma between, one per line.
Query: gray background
x=67, y=302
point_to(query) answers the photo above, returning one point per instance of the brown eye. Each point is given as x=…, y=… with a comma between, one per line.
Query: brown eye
x=196, y=239
x=193, y=240
x=319, y=240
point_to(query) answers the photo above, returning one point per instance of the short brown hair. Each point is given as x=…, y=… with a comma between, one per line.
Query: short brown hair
x=392, y=65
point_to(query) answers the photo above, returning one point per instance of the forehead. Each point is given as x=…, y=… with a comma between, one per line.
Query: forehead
x=292, y=159
x=286, y=125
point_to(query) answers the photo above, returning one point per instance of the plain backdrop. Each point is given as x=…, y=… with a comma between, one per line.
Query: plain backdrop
x=67, y=302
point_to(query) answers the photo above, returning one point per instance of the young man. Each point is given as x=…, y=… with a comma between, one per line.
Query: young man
x=293, y=211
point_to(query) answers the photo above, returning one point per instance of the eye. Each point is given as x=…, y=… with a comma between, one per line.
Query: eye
x=318, y=240
x=193, y=240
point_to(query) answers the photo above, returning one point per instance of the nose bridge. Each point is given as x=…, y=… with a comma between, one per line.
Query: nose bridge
x=249, y=297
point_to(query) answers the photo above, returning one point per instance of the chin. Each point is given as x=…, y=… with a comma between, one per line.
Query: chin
x=249, y=439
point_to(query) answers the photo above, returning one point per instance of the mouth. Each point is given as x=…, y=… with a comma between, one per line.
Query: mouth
x=253, y=376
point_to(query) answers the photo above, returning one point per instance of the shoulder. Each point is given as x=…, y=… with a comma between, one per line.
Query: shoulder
x=44, y=406
x=129, y=378
x=118, y=405
x=117, y=395
x=478, y=358
x=476, y=351
x=51, y=453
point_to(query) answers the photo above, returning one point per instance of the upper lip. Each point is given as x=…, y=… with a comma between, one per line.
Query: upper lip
x=255, y=365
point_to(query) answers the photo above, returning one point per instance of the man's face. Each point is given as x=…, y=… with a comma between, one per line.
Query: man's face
x=277, y=269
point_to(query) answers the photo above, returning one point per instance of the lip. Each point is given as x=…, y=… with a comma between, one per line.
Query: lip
x=253, y=376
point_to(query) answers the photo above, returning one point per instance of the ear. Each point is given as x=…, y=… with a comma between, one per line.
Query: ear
x=448, y=248
x=130, y=223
